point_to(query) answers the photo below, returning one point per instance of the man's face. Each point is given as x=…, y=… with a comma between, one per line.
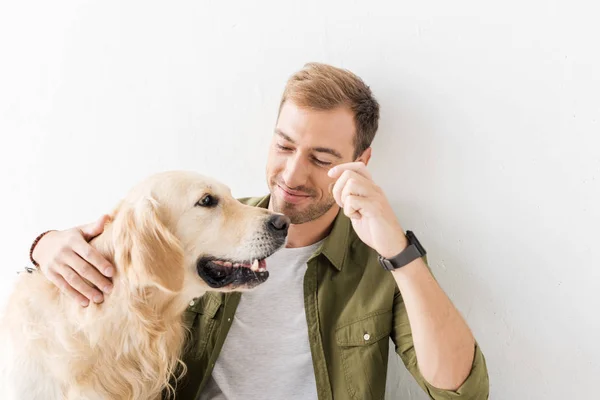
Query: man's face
x=305, y=145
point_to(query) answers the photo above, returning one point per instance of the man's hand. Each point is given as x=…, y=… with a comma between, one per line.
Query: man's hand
x=365, y=203
x=66, y=256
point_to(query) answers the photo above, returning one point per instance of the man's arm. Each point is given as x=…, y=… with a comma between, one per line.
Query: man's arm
x=476, y=385
x=443, y=343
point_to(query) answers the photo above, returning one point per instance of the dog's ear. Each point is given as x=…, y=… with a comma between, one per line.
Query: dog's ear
x=145, y=248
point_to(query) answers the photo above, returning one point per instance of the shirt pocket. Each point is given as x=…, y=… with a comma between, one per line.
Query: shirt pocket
x=364, y=345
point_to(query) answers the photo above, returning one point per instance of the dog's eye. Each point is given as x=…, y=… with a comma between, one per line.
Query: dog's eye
x=208, y=200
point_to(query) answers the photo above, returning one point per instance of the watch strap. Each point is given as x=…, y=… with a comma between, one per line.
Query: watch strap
x=413, y=251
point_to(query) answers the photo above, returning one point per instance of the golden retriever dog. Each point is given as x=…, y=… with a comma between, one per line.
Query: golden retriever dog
x=175, y=236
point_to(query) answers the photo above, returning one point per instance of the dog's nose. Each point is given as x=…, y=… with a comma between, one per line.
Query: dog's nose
x=278, y=224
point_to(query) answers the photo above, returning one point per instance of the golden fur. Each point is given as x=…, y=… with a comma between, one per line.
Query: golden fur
x=129, y=346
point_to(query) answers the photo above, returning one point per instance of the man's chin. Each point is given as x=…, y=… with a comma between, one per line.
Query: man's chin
x=301, y=213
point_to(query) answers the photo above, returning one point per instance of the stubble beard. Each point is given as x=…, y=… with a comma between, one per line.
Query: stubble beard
x=296, y=216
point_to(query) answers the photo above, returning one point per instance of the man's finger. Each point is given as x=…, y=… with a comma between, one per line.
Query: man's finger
x=67, y=289
x=338, y=186
x=358, y=184
x=354, y=206
x=357, y=166
x=78, y=284
x=89, y=272
x=355, y=186
x=94, y=258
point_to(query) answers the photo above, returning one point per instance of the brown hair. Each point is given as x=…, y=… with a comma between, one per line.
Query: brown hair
x=324, y=87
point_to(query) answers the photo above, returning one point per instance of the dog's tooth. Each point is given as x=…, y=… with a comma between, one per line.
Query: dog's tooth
x=236, y=265
x=254, y=266
x=261, y=269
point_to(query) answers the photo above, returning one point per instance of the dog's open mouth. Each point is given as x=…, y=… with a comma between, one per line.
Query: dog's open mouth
x=220, y=273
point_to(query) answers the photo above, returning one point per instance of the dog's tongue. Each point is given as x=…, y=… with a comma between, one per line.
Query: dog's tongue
x=262, y=264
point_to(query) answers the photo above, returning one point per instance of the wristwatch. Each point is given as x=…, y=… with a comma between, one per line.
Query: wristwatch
x=413, y=251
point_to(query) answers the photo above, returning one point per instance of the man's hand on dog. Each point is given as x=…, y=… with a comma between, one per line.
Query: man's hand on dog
x=365, y=203
x=66, y=257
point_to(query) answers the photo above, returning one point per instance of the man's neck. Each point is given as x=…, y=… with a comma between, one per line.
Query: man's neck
x=302, y=235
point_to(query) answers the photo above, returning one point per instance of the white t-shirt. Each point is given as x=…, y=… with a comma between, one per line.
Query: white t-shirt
x=266, y=354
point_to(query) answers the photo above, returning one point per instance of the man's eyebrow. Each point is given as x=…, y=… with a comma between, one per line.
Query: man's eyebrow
x=327, y=150
x=283, y=135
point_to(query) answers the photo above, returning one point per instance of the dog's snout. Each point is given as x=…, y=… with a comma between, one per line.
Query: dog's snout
x=278, y=224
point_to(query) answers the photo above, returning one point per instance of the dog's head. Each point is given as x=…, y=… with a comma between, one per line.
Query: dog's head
x=181, y=231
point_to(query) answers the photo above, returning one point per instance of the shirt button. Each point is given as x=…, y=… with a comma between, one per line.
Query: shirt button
x=367, y=336
x=228, y=319
x=192, y=303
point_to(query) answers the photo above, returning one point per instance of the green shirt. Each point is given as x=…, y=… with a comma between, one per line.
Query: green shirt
x=352, y=307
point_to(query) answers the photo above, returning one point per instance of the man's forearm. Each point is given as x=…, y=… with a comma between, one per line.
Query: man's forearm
x=443, y=342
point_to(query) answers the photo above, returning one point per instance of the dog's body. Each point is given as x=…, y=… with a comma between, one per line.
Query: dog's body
x=171, y=230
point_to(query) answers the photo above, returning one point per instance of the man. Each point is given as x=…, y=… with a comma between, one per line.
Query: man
x=349, y=278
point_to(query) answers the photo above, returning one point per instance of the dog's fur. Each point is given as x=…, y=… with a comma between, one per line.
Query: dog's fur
x=129, y=346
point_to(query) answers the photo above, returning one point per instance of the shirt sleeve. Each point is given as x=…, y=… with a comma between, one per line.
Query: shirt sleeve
x=475, y=387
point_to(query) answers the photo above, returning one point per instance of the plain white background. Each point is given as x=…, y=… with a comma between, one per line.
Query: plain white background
x=489, y=144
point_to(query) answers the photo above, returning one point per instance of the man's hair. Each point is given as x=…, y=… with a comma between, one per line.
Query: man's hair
x=324, y=87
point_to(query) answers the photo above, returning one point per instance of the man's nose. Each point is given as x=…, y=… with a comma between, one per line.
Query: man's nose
x=295, y=173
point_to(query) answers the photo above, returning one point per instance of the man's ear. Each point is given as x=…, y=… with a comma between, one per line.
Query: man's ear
x=365, y=156
x=145, y=249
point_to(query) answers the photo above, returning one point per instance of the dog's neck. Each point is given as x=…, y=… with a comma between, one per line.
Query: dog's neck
x=161, y=302
x=136, y=319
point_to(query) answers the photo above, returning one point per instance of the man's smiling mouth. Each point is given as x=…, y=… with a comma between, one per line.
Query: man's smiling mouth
x=293, y=193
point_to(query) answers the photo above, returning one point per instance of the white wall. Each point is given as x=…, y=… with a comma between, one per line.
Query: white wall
x=489, y=146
